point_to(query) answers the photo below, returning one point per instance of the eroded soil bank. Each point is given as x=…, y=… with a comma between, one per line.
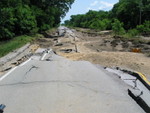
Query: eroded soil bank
x=104, y=49
x=97, y=47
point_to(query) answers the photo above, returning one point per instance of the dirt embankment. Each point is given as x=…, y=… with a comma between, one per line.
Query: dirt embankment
x=107, y=51
x=125, y=60
x=99, y=48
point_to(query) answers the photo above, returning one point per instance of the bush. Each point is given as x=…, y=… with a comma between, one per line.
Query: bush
x=133, y=32
x=144, y=29
x=6, y=34
x=26, y=21
x=140, y=28
x=16, y=21
x=97, y=24
x=107, y=24
x=7, y=22
x=117, y=27
x=100, y=24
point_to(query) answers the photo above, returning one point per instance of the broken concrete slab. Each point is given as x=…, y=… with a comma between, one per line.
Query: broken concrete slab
x=138, y=91
x=64, y=85
x=13, y=54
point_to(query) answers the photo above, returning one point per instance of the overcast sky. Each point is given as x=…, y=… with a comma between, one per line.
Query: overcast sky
x=83, y=6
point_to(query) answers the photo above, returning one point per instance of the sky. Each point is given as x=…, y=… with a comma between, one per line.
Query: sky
x=83, y=6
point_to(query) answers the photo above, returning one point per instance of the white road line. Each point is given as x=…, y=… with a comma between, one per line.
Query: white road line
x=4, y=76
x=25, y=62
x=50, y=51
x=43, y=56
x=46, y=54
x=7, y=73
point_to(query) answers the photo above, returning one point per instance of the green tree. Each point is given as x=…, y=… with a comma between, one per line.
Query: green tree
x=26, y=21
x=7, y=23
x=117, y=27
x=97, y=24
x=29, y=16
x=131, y=12
x=92, y=19
x=144, y=29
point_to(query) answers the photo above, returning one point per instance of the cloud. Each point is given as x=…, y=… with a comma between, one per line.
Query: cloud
x=106, y=4
x=94, y=3
x=100, y=5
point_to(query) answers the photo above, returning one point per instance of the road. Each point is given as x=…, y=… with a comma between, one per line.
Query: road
x=53, y=84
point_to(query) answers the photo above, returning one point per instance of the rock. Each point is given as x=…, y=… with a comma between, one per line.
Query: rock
x=60, y=44
x=67, y=50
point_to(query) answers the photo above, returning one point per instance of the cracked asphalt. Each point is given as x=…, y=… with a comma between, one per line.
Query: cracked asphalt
x=59, y=85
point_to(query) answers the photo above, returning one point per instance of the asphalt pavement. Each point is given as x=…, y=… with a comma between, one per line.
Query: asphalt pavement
x=53, y=84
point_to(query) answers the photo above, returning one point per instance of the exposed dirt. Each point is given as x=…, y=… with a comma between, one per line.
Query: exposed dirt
x=125, y=60
x=8, y=63
x=107, y=51
x=44, y=42
x=99, y=48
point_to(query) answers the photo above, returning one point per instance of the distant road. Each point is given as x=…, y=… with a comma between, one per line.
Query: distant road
x=59, y=85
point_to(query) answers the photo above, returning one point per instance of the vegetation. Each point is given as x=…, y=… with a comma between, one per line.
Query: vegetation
x=93, y=19
x=19, y=17
x=131, y=12
x=144, y=29
x=130, y=16
x=17, y=42
x=117, y=27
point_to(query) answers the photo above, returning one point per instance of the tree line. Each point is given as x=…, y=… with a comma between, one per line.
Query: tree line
x=18, y=17
x=127, y=15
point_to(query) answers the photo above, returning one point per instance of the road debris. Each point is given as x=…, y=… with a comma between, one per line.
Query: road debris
x=59, y=80
x=140, y=87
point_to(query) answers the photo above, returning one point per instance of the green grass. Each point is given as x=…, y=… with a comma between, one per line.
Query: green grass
x=17, y=42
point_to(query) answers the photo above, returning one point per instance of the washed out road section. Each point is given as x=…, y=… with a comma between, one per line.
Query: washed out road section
x=59, y=85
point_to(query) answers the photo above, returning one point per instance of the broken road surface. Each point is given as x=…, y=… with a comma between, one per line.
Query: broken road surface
x=53, y=84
